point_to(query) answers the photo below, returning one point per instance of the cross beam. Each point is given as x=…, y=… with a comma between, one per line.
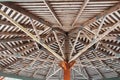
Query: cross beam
x=99, y=16
x=25, y=12
x=107, y=12
x=31, y=35
x=60, y=47
x=53, y=12
x=95, y=41
x=80, y=12
x=73, y=47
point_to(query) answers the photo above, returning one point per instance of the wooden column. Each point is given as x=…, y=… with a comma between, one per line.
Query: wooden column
x=66, y=68
x=1, y=78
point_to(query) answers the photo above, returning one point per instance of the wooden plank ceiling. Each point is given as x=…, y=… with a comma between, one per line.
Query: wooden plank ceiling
x=36, y=34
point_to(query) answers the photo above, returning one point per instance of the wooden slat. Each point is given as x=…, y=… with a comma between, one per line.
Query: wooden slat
x=95, y=41
x=25, y=12
x=31, y=35
x=106, y=12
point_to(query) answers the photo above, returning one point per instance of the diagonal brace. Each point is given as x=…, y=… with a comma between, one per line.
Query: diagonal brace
x=31, y=35
x=95, y=41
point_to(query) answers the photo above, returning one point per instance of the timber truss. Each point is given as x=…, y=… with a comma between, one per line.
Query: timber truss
x=35, y=36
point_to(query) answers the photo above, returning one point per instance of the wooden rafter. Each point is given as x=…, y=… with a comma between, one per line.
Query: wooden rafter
x=73, y=47
x=25, y=12
x=60, y=47
x=80, y=12
x=99, y=16
x=35, y=58
x=107, y=12
x=53, y=12
x=31, y=35
x=10, y=24
x=97, y=39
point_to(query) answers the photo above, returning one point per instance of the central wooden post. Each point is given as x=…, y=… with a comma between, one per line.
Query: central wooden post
x=66, y=68
x=1, y=78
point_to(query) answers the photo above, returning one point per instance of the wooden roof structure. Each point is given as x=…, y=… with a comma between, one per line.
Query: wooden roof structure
x=35, y=35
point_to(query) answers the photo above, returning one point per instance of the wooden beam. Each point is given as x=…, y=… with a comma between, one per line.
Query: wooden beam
x=24, y=57
x=73, y=47
x=87, y=36
x=80, y=12
x=89, y=66
x=60, y=47
x=66, y=68
x=110, y=43
x=86, y=72
x=36, y=33
x=18, y=46
x=53, y=73
x=107, y=64
x=79, y=72
x=91, y=36
x=99, y=28
x=109, y=49
x=102, y=76
x=25, y=12
x=15, y=39
x=10, y=63
x=52, y=12
x=106, y=12
x=103, y=27
x=12, y=33
x=97, y=17
x=66, y=48
x=26, y=26
x=30, y=35
x=95, y=59
x=95, y=41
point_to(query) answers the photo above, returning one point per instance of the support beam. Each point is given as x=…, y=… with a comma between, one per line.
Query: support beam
x=36, y=33
x=10, y=24
x=107, y=12
x=17, y=55
x=87, y=36
x=110, y=43
x=66, y=68
x=86, y=72
x=9, y=64
x=15, y=39
x=12, y=33
x=96, y=55
x=25, y=12
x=80, y=12
x=109, y=65
x=53, y=73
x=66, y=48
x=60, y=47
x=31, y=35
x=52, y=12
x=109, y=49
x=73, y=47
x=97, y=70
x=79, y=72
x=95, y=41
x=94, y=59
x=99, y=16
x=95, y=67
x=52, y=68
x=99, y=28
x=105, y=38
